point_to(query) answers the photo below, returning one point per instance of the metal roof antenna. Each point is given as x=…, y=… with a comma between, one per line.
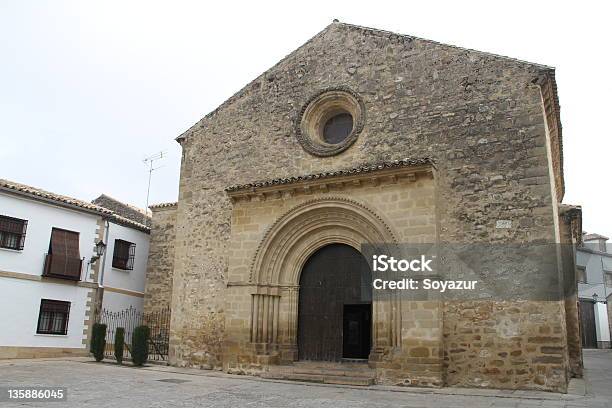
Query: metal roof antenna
x=148, y=161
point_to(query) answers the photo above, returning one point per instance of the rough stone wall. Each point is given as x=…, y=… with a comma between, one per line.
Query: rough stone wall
x=479, y=116
x=505, y=345
x=160, y=266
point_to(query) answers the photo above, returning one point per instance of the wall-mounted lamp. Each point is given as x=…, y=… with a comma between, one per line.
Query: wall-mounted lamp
x=100, y=249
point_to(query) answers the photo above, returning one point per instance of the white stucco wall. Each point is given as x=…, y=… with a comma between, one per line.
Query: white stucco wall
x=131, y=280
x=118, y=301
x=19, y=307
x=596, y=264
x=601, y=322
x=20, y=298
x=41, y=219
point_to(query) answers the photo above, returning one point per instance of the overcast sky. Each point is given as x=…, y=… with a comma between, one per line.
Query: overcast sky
x=88, y=89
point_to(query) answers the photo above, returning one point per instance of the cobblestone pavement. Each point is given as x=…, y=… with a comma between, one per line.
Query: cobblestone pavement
x=107, y=385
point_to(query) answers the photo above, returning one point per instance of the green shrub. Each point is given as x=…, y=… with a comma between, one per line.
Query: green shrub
x=140, y=350
x=119, y=344
x=98, y=341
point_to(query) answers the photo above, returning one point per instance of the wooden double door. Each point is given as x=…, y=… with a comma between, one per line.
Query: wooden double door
x=335, y=305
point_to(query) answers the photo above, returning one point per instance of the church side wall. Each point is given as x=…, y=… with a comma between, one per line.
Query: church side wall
x=160, y=266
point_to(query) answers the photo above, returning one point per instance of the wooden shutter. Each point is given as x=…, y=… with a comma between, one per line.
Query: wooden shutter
x=65, y=254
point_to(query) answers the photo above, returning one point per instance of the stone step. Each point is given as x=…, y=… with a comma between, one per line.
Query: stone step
x=332, y=364
x=335, y=372
x=345, y=380
x=321, y=378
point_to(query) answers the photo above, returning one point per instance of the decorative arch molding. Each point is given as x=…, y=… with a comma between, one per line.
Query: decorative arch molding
x=298, y=233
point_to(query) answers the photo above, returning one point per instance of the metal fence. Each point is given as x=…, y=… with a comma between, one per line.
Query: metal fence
x=158, y=323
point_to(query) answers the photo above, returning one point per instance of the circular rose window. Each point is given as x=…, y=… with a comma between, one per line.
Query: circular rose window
x=330, y=122
x=337, y=128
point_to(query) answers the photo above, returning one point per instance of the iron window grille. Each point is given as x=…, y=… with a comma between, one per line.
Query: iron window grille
x=53, y=317
x=123, y=255
x=12, y=232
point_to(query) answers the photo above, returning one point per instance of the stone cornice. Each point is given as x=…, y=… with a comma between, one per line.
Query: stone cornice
x=380, y=173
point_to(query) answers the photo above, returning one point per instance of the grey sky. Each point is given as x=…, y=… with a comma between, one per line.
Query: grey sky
x=90, y=88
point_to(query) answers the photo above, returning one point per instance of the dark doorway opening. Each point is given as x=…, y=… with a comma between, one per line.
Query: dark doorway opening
x=335, y=285
x=356, y=333
x=587, y=324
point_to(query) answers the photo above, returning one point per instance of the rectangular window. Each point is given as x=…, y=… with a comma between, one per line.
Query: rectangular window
x=123, y=255
x=53, y=317
x=608, y=278
x=64, y=259
x=12, y=232
x=581, y=274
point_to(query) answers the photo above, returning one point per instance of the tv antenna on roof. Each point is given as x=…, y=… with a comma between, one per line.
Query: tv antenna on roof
x=148, y=161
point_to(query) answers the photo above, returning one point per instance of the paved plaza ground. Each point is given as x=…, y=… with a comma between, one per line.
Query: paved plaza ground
x=107, y=385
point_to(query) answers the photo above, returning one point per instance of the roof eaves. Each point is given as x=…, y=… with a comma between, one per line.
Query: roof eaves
x=163, y=205
x=129, y=223
x=52, y=198
x=367, y=168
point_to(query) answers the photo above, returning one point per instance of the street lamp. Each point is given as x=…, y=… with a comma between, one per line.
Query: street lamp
x=100, y=248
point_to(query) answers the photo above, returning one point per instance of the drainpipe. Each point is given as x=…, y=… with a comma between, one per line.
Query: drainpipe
x=101, y=278
x=100, y=290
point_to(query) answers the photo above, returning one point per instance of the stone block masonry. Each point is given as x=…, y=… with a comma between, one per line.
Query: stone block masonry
x=489, y=126
x=160, y=268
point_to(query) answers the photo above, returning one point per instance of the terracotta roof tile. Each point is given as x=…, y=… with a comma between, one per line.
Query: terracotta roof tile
x=65, y=201
x=34, y=192
x=163, y=205
x=368, y=168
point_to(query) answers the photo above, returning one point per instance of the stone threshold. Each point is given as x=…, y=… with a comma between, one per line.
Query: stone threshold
x=576, y=388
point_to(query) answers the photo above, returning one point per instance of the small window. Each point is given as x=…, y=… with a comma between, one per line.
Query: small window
x=12, y=232
x=53, y=317
x=123, y=255
x=581, y=274
x=608, y=279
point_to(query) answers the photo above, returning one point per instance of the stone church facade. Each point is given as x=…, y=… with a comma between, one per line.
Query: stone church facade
x=366, y=136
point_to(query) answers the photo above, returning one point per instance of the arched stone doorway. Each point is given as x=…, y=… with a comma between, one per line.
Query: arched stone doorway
x=276, y=270
x=335, y=305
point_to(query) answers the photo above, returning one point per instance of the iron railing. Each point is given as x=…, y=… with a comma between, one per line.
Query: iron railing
x=157, y=321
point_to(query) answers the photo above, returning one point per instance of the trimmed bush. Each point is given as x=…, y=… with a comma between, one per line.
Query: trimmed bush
x=98, y=341
x=140, y=349
x=119, y=344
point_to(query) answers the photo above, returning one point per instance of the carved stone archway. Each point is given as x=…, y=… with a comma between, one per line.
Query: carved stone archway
x=282, y=253
x=304, y=229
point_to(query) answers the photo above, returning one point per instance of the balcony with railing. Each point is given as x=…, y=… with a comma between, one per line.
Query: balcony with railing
x=62, y=267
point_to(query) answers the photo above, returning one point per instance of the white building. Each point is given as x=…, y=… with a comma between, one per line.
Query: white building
x=125, y=264
x=594, y=264
x=51, y=277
